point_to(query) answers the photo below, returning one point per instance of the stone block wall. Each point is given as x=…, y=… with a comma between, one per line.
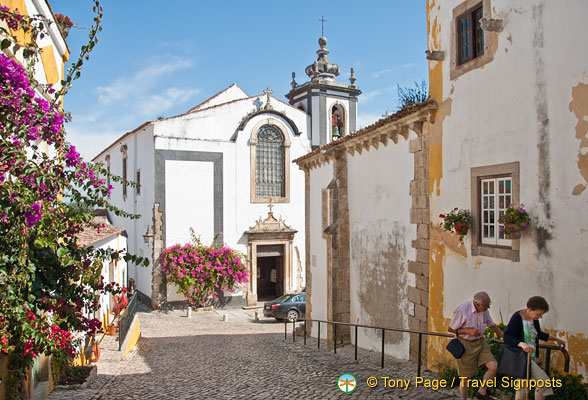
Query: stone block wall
x=418, y=295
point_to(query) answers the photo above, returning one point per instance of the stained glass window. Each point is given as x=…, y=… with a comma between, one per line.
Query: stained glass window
x=269, y=162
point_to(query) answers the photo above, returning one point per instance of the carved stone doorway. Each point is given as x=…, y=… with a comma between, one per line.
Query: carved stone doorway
x=269, y=252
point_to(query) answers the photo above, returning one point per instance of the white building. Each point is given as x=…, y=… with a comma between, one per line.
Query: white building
x=113, y=238
x=513, y=106
x=216, y=168
x=506, y=123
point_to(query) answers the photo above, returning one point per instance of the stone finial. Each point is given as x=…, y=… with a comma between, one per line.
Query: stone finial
x=267, y=92
x=325, y=68
x=293, y=83
x=352, y=78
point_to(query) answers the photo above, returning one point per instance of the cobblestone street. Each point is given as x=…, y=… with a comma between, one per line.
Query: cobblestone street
x=206, y=357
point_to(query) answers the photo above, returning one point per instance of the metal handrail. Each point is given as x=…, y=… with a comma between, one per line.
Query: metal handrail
x=126, y=319
x=383, y=329
x=420, y=333
x=548, y=348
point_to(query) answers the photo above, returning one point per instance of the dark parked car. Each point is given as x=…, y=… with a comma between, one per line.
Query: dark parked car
x=289, y=306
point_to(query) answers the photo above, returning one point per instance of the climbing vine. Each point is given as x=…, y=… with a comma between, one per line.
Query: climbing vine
x=47, y=193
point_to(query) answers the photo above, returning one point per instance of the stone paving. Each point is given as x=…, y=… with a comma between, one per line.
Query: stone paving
x=240, y=358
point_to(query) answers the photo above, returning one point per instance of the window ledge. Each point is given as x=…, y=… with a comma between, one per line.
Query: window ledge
x=273, y=199
x=505, y=253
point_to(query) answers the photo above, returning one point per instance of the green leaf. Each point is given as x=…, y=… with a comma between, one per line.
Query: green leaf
x=5, y=44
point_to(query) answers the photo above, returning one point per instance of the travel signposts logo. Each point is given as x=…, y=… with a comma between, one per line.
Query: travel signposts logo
x=347, y=383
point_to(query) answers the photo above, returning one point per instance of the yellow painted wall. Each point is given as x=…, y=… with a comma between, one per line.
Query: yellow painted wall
x=135, y=335
x=49, y=65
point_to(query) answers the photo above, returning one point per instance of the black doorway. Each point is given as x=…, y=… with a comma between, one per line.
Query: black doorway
x=270, y=276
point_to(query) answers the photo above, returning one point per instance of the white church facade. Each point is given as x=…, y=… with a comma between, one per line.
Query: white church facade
x=218, y=169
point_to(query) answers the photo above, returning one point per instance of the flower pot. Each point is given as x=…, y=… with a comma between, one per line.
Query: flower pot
x=462, y=231
x=514, y=231
x=95, y=354
x=112, y=330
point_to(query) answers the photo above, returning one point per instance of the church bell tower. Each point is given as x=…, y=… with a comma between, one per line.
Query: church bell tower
x=332, y=105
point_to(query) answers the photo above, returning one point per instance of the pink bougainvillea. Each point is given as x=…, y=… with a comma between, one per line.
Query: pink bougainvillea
x=201, y=271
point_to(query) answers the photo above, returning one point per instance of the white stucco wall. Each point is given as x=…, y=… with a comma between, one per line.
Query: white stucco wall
x=139, y=156
x=319, y=179
x=518, y=107
x=380, y=240
x=115, y=242
x=189, y=201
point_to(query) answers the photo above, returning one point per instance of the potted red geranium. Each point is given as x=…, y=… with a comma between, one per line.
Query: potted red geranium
x=457, y=221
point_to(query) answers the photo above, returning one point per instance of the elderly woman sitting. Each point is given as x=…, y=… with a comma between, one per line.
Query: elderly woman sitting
x=120, y=302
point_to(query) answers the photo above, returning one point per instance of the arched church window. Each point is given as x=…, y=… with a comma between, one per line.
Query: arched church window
x=269, y=163
x=337, y=118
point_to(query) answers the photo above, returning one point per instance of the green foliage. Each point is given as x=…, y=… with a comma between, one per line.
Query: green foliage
x=60, y=363
x=456, y=221
x=517, y=216
x=49, y=282
x=408, y=97
x=449, y=374
x=572, y=387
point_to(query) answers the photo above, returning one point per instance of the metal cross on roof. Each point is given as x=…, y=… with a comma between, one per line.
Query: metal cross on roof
x=323, y=20
x=270, y=205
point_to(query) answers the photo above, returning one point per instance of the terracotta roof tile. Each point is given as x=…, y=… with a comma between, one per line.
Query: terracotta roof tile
x=90, y=235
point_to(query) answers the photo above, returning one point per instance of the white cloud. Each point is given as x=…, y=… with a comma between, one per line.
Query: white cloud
x=394, y=69
x=366, y=119
x=88, y=144
x=157, y=103
x=369, y=96
x=141, y=82
x=127, y=102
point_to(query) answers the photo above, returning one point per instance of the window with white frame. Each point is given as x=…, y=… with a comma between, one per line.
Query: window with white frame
x=496, y=196
x=494, y=188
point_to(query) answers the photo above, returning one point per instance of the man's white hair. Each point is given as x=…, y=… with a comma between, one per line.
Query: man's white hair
x=480, y=297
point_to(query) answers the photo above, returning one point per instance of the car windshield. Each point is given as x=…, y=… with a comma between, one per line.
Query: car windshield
x=283, y=298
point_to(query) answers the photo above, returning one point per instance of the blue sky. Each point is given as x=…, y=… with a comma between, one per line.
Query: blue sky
x=159, y=59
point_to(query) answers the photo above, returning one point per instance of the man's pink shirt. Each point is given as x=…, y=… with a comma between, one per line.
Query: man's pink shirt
x=466, y=316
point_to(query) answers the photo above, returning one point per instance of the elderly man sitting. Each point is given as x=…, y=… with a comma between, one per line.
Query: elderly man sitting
x=469, y=323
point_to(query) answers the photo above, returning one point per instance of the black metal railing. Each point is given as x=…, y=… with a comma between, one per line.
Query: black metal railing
x=356, y=328
x=125, y=320
x=383, y=330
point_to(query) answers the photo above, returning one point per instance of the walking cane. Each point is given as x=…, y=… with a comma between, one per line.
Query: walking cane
x=528, y=391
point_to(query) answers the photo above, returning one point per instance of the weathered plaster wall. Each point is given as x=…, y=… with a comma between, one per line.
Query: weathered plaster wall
x=528, y=104
x=320, y=178
x=380, y=243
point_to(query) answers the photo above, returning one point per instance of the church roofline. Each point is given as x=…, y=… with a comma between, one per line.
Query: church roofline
x=227, y=103
x=121, y=138
x=399, y=123
x=125, y=135
x=197, y=108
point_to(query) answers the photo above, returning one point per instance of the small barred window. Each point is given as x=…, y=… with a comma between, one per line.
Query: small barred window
x=269, y=159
